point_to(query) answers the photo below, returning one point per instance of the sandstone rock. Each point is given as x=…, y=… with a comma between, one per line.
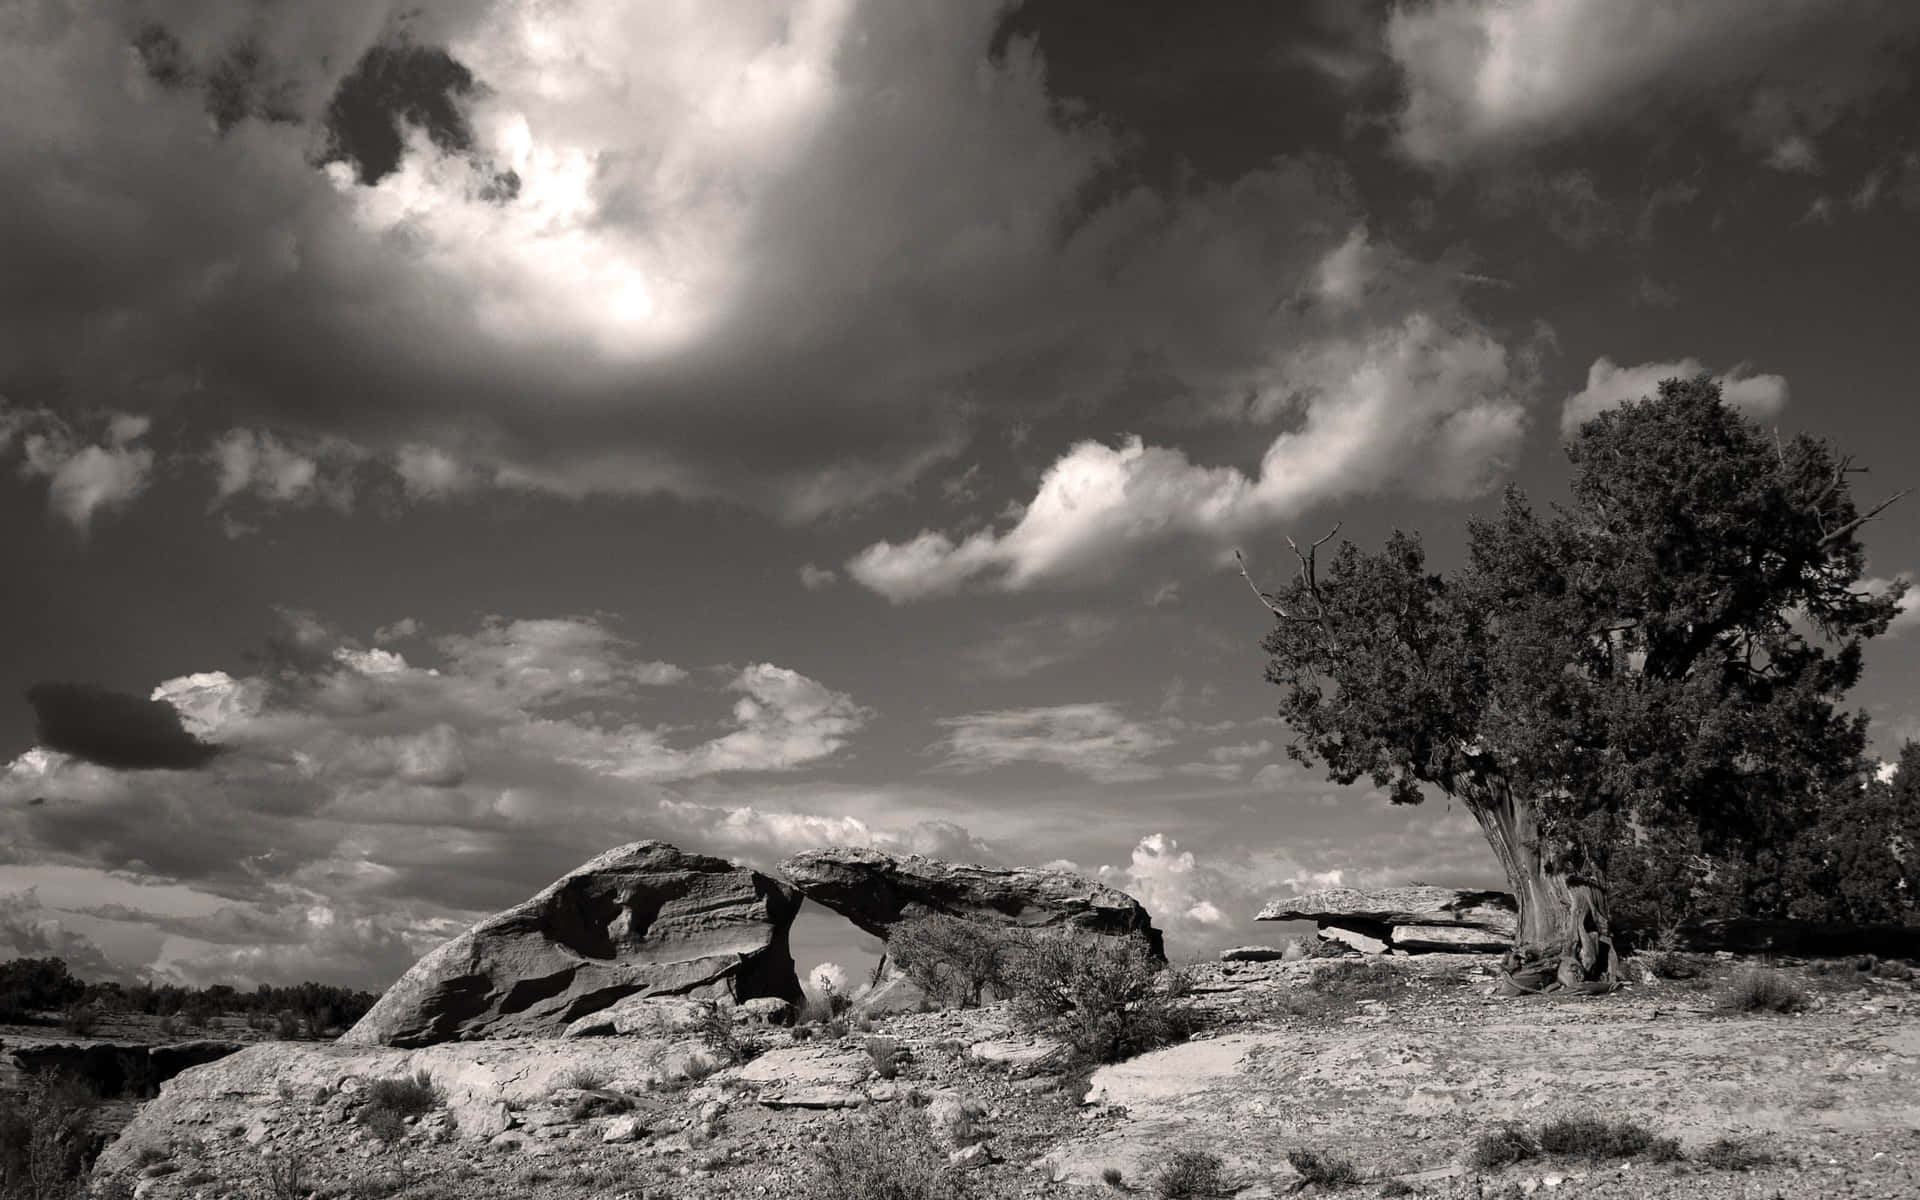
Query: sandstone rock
x=895, y=994
x=1253, y=954
x=647, y=1016
x=644, y=919
x=1363, y=942
x=810, y=1076
x=1459, y=938
x=875, y=890
x=1421, y=905
x=969, y=1157
x=1020, y=1055
x=623, y=1129
x=483, y=1121
x=767, y=1010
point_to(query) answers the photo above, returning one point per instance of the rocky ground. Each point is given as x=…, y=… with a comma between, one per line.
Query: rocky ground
x=1398, y=1073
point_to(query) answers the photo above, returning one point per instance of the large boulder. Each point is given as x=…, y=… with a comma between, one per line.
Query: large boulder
x=643, y=920
x=876, y=890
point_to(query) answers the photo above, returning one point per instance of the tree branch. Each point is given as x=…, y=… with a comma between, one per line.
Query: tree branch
x=1869, y=515
x=1272, y=605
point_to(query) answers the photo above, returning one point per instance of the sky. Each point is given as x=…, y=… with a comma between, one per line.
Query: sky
x=441, y=441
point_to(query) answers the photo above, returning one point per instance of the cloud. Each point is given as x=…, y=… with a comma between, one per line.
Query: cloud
x=112, y=729
x=1485, y=78
x=1033, y=645
x=84, y=477
x=361, y=779
x=1795, y=153
x=1418, y=407
x=28, y=931
x=1094, y=740
x=1167, y=881
x=1610, y=385
x=817, y=579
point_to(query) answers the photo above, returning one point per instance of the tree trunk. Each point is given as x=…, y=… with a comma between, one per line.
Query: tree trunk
x=1563, y=941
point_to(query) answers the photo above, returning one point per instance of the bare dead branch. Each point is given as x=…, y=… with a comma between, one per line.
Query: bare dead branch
x=1869, y=515
x=1272, y=605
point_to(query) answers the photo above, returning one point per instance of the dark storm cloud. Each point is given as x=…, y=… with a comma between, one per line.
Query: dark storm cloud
x=113, y=729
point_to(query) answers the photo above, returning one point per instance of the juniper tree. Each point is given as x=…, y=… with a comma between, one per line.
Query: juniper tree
x=1640, y=681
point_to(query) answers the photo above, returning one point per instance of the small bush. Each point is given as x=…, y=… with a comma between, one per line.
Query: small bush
x=1726, y=1154
x=1106, y=997
x=1594, y=1138
x=286, y=1177
x=1112, y=1176
x=584, y=1078
x=951, y=959
x=1762, y=989
x=1890, y=969
x=1190, y=1173
x=169, y=1026
x=407, y=1096
x=1354, y=979
x=287, y=1027
x=1496, y=1148
x=889, y=1156
x=1397, y=1187
x=885, y=1055
x=1323, y=1169
x=46, y=1138
x=80, y=1020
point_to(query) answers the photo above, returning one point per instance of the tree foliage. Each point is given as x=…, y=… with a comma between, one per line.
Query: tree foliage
x=1651, y=671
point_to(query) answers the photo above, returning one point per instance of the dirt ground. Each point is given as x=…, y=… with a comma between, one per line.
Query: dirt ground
x=1398, y=1078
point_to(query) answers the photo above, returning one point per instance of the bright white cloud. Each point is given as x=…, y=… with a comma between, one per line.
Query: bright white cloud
x=1610, y=385
x=1166, y=880
x=1485, y=77
x=1417, y=407
x=1094, y=740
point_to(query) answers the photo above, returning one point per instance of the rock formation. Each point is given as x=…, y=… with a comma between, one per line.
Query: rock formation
x=1412, y=919
x=875, y=890
x=644, y=919
x=115, y=1070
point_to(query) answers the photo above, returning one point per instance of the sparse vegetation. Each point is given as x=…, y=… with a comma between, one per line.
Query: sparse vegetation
x=389, y=1102
x=1729, y=1154
x=1763, y=989
x=1106, y=997
x=885, y=1053
x=286, y=1176
x=951, y=959
x=1190, y=1173
x=1585, y=1136
x=889, y=1156
x=1112, y=1176
x=1325, y=1170
x=46, y=1139
x=80, y=1020
x=1496, y=1148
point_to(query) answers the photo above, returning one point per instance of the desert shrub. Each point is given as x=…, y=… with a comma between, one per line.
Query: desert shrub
x=169, y=1026
x=80, y=1020
x=1190, y=1173
x=46, y=1139
x=1326, y=1170
x=951, y=959
x=1113, y=1177
x=598, y=1102
x=718, y=1030
x=1591, y=1137
x=885, y=1054
x=286, y=1176
x=287, y=1027
x=1891, y=969
x=1108, y=998
x=391, y=1101
x=1727, y=1154
x=1496, y=1148
x=585, y=1078
x=1762, y=989
x=1397, y=1187
x=889, y=1156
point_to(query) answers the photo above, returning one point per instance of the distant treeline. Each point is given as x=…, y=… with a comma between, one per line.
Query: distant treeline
x=32, y=986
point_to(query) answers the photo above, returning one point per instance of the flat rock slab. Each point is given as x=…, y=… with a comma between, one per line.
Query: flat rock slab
x=1457, y=938
x=1022, y=1055
x=1364, y=942
x=1421, y=905
x=810, y=1076
x=876, y=890
x=1254, y=954
x=1408, y=1097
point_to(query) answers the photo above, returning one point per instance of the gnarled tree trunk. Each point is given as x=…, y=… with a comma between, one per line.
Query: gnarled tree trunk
x=1563, y=941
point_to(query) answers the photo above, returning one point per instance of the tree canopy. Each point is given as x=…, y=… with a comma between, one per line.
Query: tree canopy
x=1642, y=685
